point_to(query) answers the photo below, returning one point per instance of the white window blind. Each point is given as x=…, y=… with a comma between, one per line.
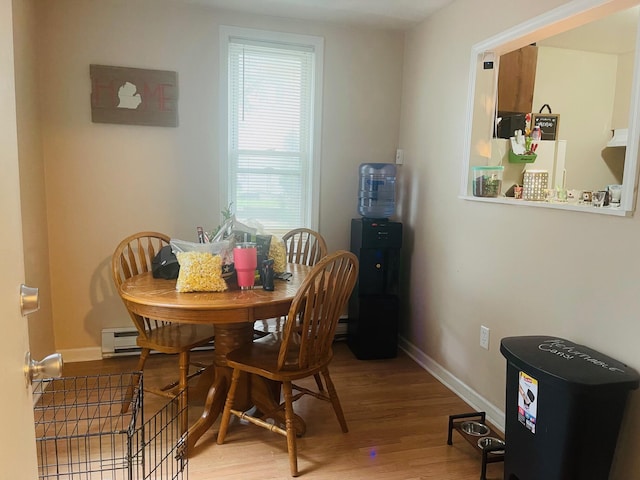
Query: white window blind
x=270, y=111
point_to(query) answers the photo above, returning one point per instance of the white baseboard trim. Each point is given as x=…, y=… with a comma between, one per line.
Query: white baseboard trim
x=475, y=400
x=86, y=354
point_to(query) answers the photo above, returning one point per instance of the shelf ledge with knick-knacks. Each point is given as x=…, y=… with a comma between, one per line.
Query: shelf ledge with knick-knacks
x=534, y=177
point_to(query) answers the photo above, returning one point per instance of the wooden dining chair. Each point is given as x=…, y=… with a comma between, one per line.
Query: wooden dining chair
x=304, y=247
x=133, y=256
x=304, y=349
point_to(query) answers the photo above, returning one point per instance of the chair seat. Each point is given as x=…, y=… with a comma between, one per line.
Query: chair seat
x=261, y=358
x=176, y=338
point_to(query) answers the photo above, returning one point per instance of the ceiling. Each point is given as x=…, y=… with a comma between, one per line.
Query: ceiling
x=614, y=34
x=388, y=14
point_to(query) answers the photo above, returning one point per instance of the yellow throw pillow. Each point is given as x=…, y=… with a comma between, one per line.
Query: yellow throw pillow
x=200, y=272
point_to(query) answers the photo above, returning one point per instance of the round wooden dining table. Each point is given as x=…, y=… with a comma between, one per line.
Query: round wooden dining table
x=233, y=314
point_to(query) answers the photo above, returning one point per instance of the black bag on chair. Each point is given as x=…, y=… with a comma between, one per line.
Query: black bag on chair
x=165, y=264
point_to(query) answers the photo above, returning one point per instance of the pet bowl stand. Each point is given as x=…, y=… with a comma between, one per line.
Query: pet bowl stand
x=489, y=454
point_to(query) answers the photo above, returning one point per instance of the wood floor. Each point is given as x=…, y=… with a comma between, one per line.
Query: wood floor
x=397, y=415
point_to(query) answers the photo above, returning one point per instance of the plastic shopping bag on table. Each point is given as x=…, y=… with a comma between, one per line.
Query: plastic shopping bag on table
x=234, y=231
x=270, y=245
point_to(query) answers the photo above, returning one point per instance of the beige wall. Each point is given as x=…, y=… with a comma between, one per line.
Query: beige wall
x=581, y=87
x=32, y=190
x=104, y=182
x=517, y=270
x=624, y=79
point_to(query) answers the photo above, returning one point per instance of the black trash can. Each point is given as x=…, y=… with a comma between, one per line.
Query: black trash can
x=564, y=406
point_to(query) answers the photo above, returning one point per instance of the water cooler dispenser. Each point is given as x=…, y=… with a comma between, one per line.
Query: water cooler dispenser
x=374, y=304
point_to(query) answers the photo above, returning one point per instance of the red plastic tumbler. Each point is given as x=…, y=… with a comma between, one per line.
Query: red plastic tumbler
x=245, y=259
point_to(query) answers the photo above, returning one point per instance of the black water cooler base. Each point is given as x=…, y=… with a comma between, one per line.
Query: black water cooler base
x=374, y=333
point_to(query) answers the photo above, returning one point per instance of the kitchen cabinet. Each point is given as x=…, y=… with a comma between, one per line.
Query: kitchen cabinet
x=516, y=80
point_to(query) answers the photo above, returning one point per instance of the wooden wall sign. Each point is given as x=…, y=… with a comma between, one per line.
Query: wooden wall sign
x=548, y=124
x=134, y=96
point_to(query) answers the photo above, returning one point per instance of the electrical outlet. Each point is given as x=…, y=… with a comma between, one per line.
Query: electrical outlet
x=484, y=337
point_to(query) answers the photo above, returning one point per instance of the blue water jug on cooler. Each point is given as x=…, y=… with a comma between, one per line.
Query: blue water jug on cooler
x=377, y=193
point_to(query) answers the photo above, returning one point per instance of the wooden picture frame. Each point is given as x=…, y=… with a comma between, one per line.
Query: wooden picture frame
x=134, y=96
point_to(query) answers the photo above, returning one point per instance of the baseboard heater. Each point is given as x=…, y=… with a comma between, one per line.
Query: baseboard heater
x=341, y=329
x=121, y=341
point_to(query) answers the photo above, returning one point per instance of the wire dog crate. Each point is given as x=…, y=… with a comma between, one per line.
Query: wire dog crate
x=93, y=427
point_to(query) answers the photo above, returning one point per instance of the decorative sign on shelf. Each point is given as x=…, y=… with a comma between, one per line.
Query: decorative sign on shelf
x=134, y=96
x=548, y=124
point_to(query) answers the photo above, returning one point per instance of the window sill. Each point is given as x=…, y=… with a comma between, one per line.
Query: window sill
x=574, y=207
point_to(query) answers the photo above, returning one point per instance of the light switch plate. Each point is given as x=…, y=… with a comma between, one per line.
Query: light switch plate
x=399, y=156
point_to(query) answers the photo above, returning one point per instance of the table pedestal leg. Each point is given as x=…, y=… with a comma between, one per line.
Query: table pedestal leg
x=212, y=408
x=198, y=392
x=228, y=337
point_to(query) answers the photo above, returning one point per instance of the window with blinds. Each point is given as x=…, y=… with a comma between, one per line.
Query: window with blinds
x=270, y=107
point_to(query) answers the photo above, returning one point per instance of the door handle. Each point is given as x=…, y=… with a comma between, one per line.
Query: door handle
x=49, y=367
x=29, y=300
